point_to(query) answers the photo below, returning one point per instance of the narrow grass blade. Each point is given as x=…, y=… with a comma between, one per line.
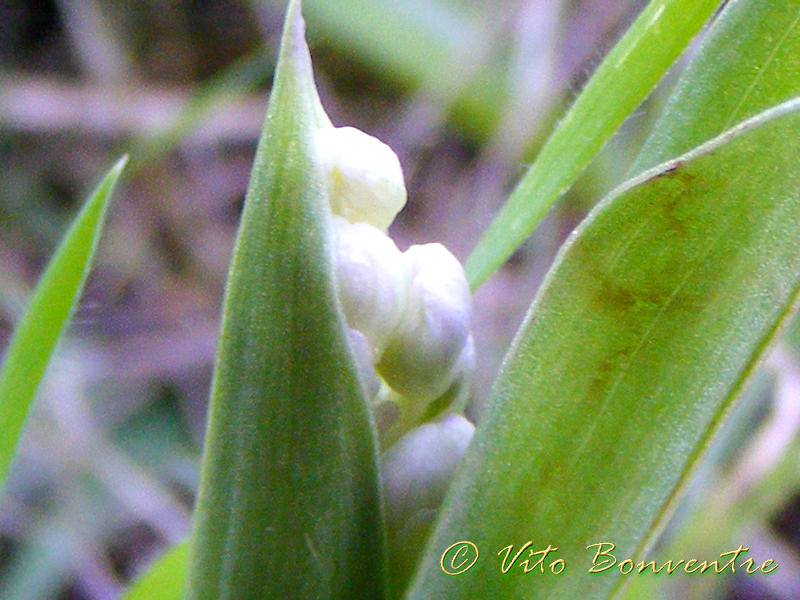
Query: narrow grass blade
x=649, y=324
x=48, y=314
x=164, y=579
x=621, y=82
x=289, y=503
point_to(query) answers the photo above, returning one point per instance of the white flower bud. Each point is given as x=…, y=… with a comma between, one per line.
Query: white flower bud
x=417, y=470
x=455, y=397
x=395, y=414
x=422, y=353
x=465, y=365
x=371, y=279
x=416, y=473
x=363, y=176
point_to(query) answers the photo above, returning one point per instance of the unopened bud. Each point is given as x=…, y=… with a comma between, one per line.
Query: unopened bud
x=371, y=278
x=455, y=397
x=417, y=471
x=426, y=345
x=363, y=176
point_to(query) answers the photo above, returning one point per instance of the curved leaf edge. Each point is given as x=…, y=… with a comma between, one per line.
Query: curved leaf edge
x=538, y=190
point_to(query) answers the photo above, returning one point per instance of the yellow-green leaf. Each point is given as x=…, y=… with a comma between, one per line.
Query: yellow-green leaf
x=49, y=311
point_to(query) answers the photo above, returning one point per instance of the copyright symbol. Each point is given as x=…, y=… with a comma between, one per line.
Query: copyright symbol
x=459, y=558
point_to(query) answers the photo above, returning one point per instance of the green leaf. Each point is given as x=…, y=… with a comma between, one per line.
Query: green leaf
x=621, y=82
x=49, y=312
x=748, y=62
x=289, y=501
x=164, y=579
x=653, y=317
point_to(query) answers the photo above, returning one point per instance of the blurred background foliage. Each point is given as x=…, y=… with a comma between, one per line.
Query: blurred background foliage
x=464, y=91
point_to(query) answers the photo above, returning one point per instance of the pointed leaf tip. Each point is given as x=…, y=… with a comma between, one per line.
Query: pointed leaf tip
x=289, y=496
x=48, y=314
x=298, y=68
x=294, y=36
x=119, y=165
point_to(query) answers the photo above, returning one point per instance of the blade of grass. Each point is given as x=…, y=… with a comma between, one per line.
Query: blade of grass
x=289, y=502
x=652, y=319
x=620, y=84
x=48, y=314
x=164, y=579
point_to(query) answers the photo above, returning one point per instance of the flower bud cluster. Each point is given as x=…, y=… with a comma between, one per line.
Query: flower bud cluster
x=412, y=309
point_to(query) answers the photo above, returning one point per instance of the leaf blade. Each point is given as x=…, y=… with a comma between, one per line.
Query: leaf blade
x=164, y=579
x=48, y=314
x=289, y=501
x=652, y=318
